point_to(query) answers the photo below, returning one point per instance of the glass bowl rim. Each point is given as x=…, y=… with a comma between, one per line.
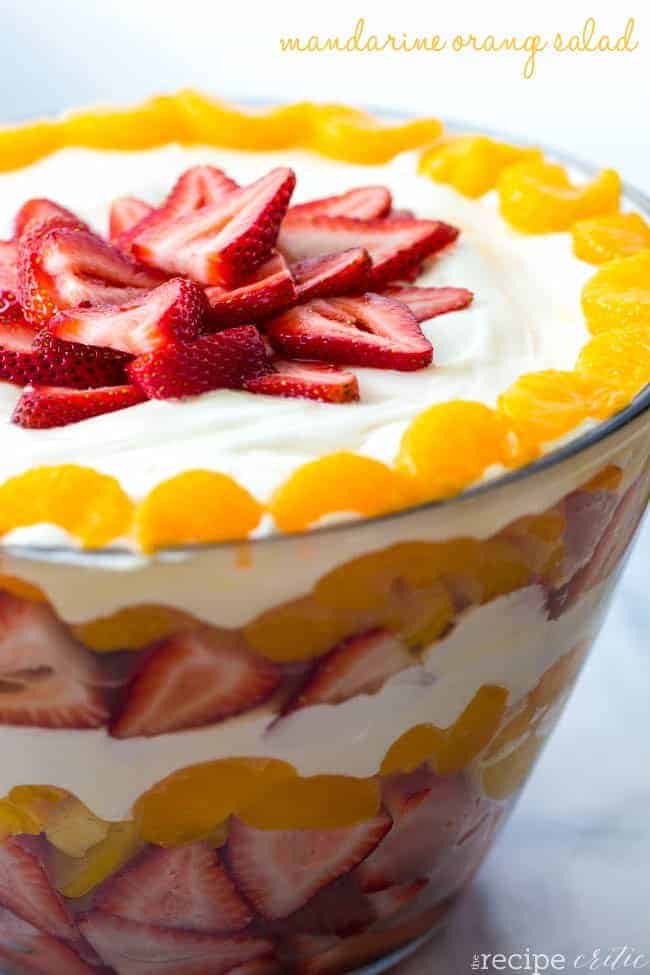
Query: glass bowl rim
x=639, y=406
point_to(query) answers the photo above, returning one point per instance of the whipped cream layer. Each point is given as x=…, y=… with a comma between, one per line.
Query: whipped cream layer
x=525, y=316
x=509, y=642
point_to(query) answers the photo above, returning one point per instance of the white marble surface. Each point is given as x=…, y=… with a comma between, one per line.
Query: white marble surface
x=571, y=870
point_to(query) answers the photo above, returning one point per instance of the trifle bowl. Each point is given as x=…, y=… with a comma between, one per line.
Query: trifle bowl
x=266, y=712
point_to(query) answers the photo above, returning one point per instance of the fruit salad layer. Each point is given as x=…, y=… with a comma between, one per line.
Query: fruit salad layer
x=289, y=755
x=298, y=339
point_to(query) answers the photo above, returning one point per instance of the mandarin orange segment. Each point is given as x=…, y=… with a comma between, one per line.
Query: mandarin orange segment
x=91, y=506
x=540, y=540
x=538, y=197
x=132, y=628
x=620, y=357
x=618, y=294
x=14, y=821
x=503, y=777
x=213, y=122
x=302, y=629
x=76, y=877
x=190, y=804
x=542, y=406
x=611, y=236
x=335, y=484
x=472, y=164
x=472, y=731
x=449, y=446
x=316, y=802
x=356, y=137
x=144, y=126
x=609, y=478
x=412, y=749
x=194, y=507
x=68, y=824
x=24, y=144
x=22, y=588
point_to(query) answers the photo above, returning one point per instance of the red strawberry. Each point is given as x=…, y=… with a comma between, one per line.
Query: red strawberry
x=126, y=213
x=67, y=267
x=192, y=679
x=364, y=203
x=39, y=358
x=368, y=331
x=181, y=887
x=40, y=211
x=173, y=312
x=385, y=903
x=28, y=951
x=359, y=665
x=48, y=680
x=430, y=814
x=268, y=290
x=587, y=515
x=144, y=949
x=10, y=310
x=26, y=891
x=396, y=246
x=226, y=360
x=44, y=407
x=224, y=242
x=8, y=267
x=309, y=380
x=280, y=870
x=263, y=966
x=613, y=544
x=341, y=908
x=426, y=303
x=335, y=274
x=196, y=187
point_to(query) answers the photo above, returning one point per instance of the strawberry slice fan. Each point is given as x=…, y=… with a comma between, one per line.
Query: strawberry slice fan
x=221, y=287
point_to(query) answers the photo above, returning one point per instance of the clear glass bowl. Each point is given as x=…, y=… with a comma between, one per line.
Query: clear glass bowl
x=366, y=702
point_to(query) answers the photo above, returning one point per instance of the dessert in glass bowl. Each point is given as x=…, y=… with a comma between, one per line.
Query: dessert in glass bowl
x=325, y=440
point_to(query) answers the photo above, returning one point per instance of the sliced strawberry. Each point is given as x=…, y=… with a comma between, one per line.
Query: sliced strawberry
x=192, y=679
x=396, y=246
x=341, y=908
x=226, y=360
x=26, y=950
x=335, y=274
x=67, y=267
x=173, y=312
x=44, y=407
x=126, y=213
x=39, y=358
x=261, y=966
x=359, y=665
x=385, y=903
x=363, y=203
x=280, y=870
x=26, y=891
x=144, y=949
x=426, y=303
x=47, y=679
x=368, y=331
x=180, y=887
x=308, y=380
x=197, y=187
x=8, y=267
x=587, y=515
x=10, y=310
x=268, y=290
x=221, y=243
x=430, y=814
x=40, y=211
x=612, y=546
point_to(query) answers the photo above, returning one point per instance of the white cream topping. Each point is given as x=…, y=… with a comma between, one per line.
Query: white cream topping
x=526, y=315
x=509, y=642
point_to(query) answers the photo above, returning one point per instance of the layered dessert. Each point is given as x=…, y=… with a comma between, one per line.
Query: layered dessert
x=308, y=521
